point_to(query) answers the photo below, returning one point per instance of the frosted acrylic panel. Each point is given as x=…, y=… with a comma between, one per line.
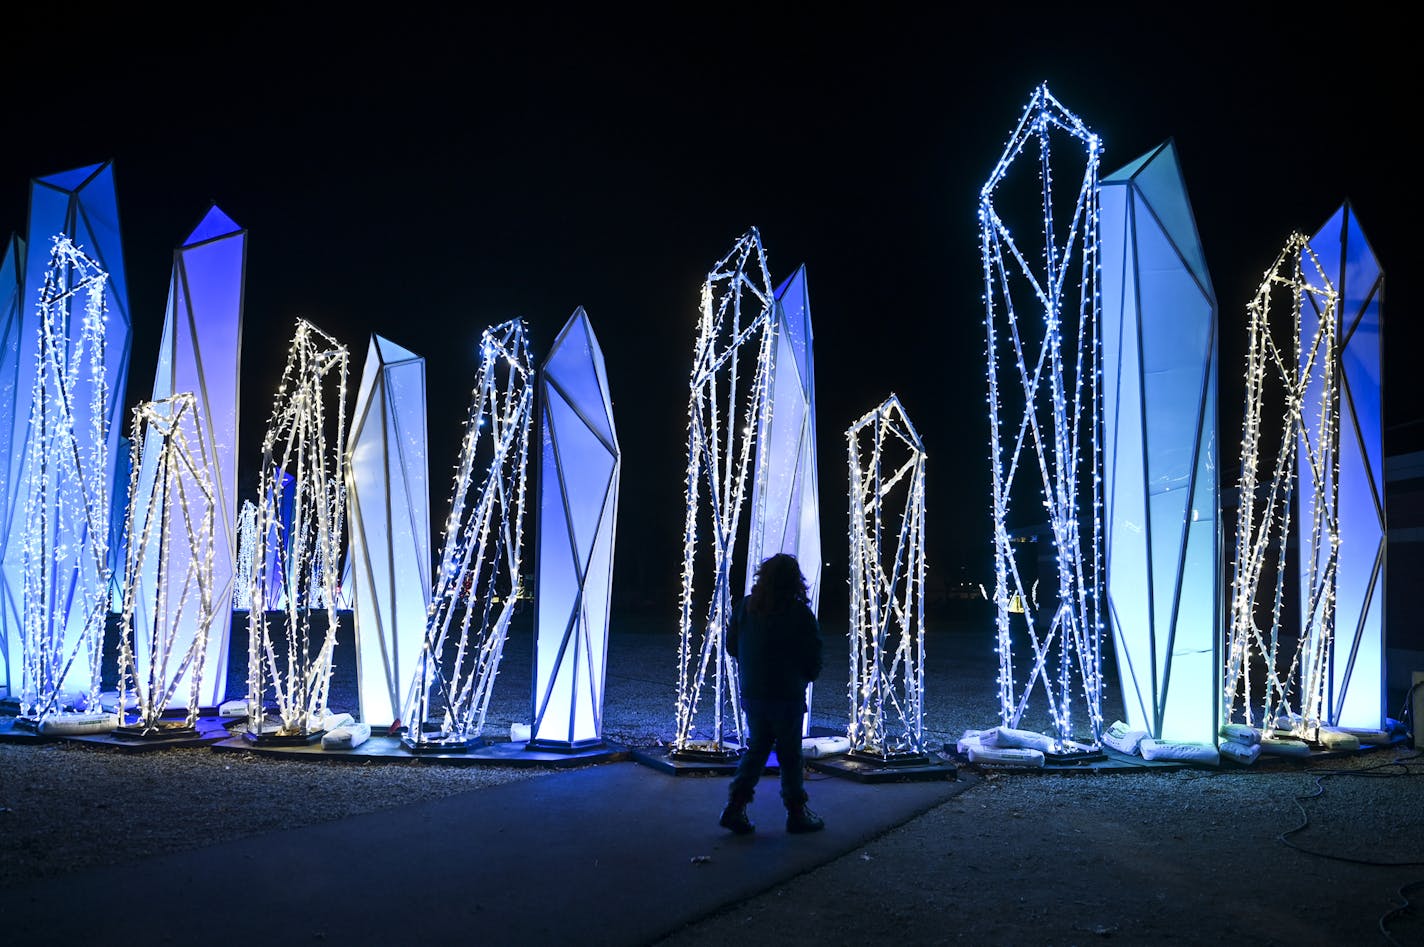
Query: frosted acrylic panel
x=389, y=509
x=578, y=494
x=1159, y=351
x=12, y=435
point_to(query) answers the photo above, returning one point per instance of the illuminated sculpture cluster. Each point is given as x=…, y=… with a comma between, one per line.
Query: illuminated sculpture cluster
x=727, y=408
x=66, y=535
x=478, y=582
x=304, y=440
x=1301, y=381
x=1043, y=352
x=1163, y=548
x=887, y=582
x=1357, y=673
x=579, y=466
x=387, y=487
x=169, y=587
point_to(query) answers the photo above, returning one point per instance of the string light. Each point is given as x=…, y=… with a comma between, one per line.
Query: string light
x=887, y=582
x=480, y=562
x=168, y=585
x=1059, y=420
x=720, y=458
x=246, y=551
x=1304, y=378
x=310, y=396
x=66, y=535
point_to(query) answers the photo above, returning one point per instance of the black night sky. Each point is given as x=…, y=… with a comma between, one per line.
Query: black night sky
x=425, y=175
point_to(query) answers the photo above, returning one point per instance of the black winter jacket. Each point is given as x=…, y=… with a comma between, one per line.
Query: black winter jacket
x=777, y=654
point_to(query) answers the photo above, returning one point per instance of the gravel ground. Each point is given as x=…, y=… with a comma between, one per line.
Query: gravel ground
x=1185, y=856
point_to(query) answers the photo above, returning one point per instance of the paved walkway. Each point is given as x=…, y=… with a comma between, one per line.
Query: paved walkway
x=615, y=854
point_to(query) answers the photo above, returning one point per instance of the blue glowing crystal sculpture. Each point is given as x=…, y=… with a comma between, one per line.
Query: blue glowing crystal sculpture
x=1161, y=510
x=388, y=489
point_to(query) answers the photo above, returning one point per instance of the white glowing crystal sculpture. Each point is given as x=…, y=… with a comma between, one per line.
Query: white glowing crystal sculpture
x=728, y=393
x=388, y=489
x=169, y=587
x=1357, y=694
x=887, y=585
x=479, y=581
x=579, y=468
x=289, y=657
x=201, y=354
x=82, y=206
x=67, y=479
x=1162, y=506
x=1277, y=662
x=1042, y=324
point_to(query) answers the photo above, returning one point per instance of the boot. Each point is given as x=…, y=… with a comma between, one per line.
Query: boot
x=800, y=820
x=734, y=816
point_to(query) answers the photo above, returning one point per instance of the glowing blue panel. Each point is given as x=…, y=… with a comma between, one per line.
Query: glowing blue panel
x=12, y=435
x=388, y=492
x=1159, y=423
x=580, y=464
x=201, y=353
x=82, y=205
x=1357, y=670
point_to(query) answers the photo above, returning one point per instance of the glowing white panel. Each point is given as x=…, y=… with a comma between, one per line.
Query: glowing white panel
x=201, y=353
x=887, y=584
x=81, y=204
x=1159, y=425
x=387, y=485
x=1357, y=659
x=579, y=465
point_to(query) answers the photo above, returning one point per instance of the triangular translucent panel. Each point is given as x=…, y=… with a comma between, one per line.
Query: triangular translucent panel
x=598, y=583
x=1358, y=682
x=71, y=180
x=214, y=224
x=585, y=468
x=559, y=596
x=407, y=437
x=575, y=365
x=1125, y=173
x=1363, y=379
x=390, y=352
x=1160, y=182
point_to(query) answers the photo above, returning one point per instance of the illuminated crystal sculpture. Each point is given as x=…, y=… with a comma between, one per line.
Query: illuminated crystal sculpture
x=1042, y=316
x=67, y=478
x=246, y=552
x=1279, y=664
x=13, y=429
x=726, y=405
x=305, y=438
x=887, y=586
x=1357, y=657
x=786, y=507
x=201, y=354
x=169, y=587
x=578, y=505
x=479, y=581
x=82, y=205
x=388, y=488
x=1162, y=506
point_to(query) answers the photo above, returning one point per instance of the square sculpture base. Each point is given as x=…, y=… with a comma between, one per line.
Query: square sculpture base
x=868, y=769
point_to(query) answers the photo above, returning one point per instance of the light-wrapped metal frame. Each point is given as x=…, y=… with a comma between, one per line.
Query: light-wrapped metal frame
x=1277, y=662
x=1357, y=697
x=304, y=440
x=887, y=586
x=169, y=588
x=479, y=580
x=579, y=467
x=1044, y=409
x=388, y=489
x=727, y=406
x=1163, y=511
x=67, y=477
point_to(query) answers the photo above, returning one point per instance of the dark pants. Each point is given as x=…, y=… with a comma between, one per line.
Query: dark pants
x=772, y=723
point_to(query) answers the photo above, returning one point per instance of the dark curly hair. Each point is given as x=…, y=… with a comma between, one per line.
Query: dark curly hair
x=778, y=583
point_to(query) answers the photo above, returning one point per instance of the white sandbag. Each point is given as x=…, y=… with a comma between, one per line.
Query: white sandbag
x=1181, y=752
x=1028, y=739
x=236, y=707
x=970, y=738
x=331, y=720
x=1006, y=756
x=1242, y=753
x=1241, y=733
x=1369, y=737
x=1123, y=738
x=1334, y=738
x=73, y=725
x=814, y=748
x=346, y=737
x=1283, y=746
x=520, y=732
